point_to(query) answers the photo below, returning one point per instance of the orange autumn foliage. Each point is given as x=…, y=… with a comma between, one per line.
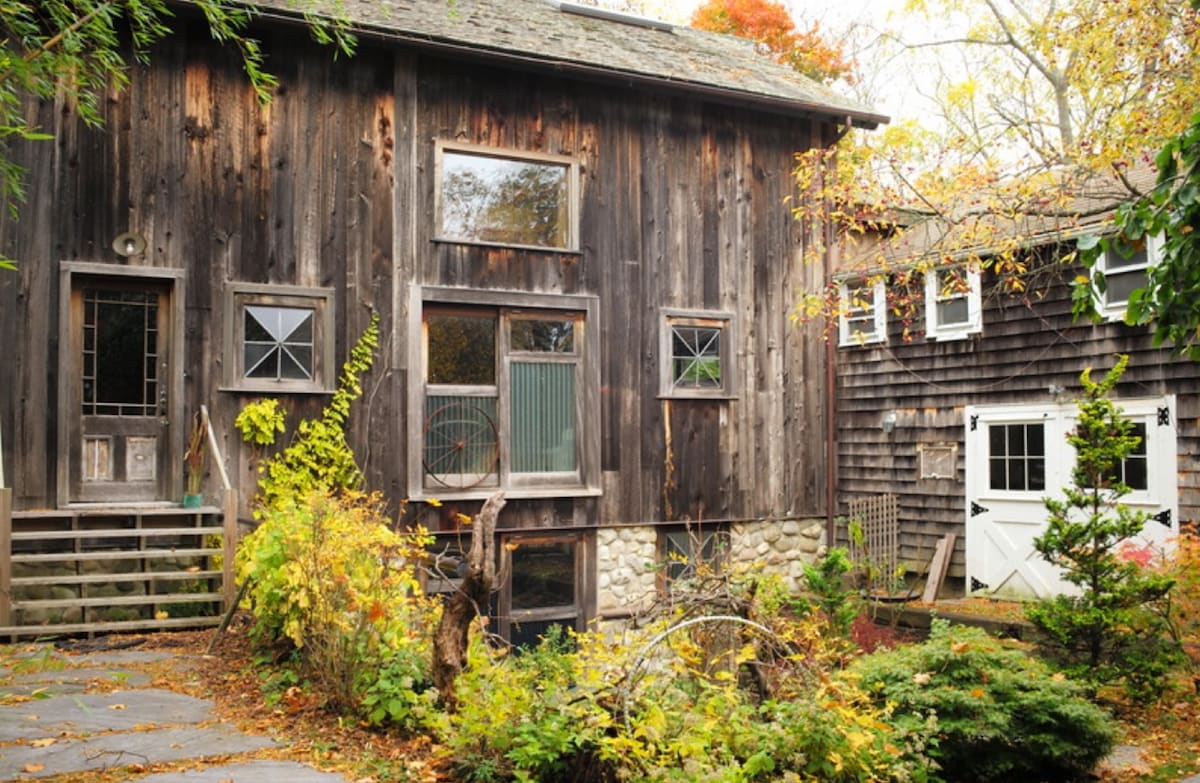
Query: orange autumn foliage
x=770, y=25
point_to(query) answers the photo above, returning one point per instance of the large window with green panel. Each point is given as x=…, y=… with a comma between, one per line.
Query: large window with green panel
x=508, y=395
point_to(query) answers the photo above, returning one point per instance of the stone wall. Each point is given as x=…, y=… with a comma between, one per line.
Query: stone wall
x=626, y=558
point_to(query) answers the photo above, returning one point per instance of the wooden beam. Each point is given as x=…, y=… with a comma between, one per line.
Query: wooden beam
x=938, y=567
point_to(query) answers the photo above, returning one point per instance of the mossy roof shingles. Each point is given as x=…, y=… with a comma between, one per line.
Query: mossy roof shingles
x=536, y=33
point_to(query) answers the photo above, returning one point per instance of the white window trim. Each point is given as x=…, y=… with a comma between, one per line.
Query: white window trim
x=583, y=483
x=666, y=382
x=878, y=309
x=442, y=146
x=1115, y=311
x=974, y=322
x=321, y=299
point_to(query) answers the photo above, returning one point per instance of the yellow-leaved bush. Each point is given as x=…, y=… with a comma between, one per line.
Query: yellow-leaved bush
x=329, y=576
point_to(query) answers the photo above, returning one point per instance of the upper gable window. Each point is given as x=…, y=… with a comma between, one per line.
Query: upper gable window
x=1123, y=274
x=952, y=303
x=696, y=354
x=278, y=338
x=863, y=316
x=494, y=197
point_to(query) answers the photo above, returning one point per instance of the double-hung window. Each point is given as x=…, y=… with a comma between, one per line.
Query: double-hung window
x=952, y=303
x=862, y=317
x=500, y=197
x=1123, y=271
x=507, y=396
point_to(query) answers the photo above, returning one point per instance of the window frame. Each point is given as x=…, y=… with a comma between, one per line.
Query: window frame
x=1115, y=310
x=668, y=319
x=443, y=146
x=321, y=300
x=876, y=313
x=933, y=297
x=585, y=479
x=714, y=535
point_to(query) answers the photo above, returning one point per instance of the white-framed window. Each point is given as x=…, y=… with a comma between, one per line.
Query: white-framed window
x=862, y=317
x=502, y=197
x=278, y=338
x=505, y=394
x=1122, y=274
x=696, y=350
x=952, y=303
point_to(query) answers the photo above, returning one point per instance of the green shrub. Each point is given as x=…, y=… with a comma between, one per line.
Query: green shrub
x=998, y=713
x=602, y=710
x=1113, y=630
x=330, y=576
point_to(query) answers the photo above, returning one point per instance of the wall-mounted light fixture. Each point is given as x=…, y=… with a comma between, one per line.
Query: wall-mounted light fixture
x=889, y=423
x=129, y=244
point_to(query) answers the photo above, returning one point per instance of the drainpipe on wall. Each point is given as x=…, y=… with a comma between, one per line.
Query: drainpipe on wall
x=830, y=442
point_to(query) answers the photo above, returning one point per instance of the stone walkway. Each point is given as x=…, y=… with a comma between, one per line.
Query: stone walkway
x=65, y=730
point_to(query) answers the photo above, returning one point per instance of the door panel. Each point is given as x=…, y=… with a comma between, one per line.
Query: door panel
x=1017, y=455
x=120, y=374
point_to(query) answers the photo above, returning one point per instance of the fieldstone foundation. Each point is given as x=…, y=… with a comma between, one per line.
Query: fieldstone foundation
x=627, y=558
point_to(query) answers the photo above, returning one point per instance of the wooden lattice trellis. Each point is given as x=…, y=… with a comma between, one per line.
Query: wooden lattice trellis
x=876, y=553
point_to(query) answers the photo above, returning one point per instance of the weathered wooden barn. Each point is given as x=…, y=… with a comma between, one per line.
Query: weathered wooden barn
x=964, y=419
x=573, y=226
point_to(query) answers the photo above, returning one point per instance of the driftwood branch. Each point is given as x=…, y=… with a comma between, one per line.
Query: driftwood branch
x=464, y=605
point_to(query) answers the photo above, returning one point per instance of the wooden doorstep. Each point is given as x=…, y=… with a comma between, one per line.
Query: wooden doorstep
x=128, y=532
x=117, y=600
x=119, y=554
x=116, y=626
x=124, y=576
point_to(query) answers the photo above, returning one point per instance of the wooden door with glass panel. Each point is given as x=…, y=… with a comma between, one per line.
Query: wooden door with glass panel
x=118, y=406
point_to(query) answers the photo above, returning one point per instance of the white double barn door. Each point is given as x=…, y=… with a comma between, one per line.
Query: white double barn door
x=1017, y=455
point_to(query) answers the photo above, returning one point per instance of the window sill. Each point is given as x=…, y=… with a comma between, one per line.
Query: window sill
x=506, y=246
x=512, y=493
x=869, y=343
x=951, y=336
x=716, y=397
x=274, y=388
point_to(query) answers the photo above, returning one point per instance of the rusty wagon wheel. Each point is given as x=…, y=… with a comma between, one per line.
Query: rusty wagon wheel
x=462, y=449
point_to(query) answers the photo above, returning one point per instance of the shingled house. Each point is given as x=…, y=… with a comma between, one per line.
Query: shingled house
x=964, y=419
x=572, y=225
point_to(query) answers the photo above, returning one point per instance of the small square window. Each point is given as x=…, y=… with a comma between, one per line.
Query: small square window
x=1123, y=270
x=278, y=338
x=688, y=552
x=863, y=314
x=696, y=355
x=952, y=303
x=494, y=197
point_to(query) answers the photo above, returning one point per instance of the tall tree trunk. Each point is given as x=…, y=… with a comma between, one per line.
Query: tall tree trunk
x=466, y=603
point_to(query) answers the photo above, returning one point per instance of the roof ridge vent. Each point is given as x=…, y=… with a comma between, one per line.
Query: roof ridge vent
x=595, y=12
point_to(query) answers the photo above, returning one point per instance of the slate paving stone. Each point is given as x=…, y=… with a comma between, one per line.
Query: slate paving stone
x=90, y=713
x=107, y=751
x=248, y=772
x=64, y=681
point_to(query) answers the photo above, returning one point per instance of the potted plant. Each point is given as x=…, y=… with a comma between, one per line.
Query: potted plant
x=194, y=460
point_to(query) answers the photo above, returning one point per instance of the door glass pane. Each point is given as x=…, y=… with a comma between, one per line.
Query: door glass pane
x=1136, y=467
x=120, y=354
x=543, y=417
x=1016, y=457
x=543, y=574
x=461, y=349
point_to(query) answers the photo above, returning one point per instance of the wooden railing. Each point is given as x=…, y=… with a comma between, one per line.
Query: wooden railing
x=100, y=569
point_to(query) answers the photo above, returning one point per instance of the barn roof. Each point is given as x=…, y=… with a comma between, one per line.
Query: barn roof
x=592, y=43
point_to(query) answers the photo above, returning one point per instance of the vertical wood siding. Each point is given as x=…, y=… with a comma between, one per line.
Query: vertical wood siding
x=683, y=206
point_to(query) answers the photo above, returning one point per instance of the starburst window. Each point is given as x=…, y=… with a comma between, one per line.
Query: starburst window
x=697, y=354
